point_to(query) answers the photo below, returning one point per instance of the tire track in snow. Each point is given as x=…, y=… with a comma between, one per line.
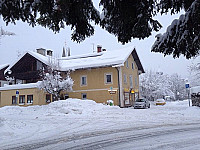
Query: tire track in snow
x=106, y=133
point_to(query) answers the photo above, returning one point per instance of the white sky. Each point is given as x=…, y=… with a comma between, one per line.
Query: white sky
x=28, y=38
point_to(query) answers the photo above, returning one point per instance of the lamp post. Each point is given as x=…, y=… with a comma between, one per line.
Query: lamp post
x=178, y=95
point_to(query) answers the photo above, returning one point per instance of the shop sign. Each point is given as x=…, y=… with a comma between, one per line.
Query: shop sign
x=112, y=91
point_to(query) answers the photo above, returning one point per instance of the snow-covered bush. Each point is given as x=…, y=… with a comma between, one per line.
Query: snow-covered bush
x=52, y=80
x=54, y=83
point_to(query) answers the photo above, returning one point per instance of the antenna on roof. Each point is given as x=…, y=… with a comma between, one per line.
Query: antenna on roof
x=93, y=47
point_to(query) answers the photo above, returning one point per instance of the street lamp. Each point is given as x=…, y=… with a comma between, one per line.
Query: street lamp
x=178, y=95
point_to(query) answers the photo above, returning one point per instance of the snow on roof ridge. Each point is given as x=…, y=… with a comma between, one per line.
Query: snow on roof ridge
x=20, y=86
x=3, y=66
x=38, y=56
x=195, y=89
x=81, y=56
x=108, y=58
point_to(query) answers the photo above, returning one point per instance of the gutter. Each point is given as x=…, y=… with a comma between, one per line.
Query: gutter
x=118, y=85
x=121, y=100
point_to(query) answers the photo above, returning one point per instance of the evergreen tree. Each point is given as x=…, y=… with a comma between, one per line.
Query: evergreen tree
x=183, y=35
x=126, y=19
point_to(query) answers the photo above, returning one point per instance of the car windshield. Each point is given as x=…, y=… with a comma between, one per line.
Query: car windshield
x=139, y=100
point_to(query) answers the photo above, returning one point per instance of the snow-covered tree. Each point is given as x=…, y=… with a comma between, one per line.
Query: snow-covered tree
x=52, y=81
x=3, y=32
x=53, y=14
x=183, y=35
x=194, y=70
x=126, y=19
x=158, y=85
x=177, y=86
x=10, y=79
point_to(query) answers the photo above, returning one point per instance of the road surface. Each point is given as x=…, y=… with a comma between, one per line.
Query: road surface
x=160, y=137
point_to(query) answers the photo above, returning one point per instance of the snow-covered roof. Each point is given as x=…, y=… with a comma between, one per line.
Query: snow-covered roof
x=195, y=89
x=44, y=59
x=19, y=86
x=3, y=66
x=105, y=58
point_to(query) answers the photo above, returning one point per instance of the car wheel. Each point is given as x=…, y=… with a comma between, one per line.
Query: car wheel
x=149, y=106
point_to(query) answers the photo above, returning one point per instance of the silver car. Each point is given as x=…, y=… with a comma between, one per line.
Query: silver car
x=141, y=103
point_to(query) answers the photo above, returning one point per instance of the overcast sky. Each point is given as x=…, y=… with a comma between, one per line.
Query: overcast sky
x=28, y=38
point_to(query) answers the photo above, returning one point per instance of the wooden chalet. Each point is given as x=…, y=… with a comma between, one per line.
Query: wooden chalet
x=2, y=76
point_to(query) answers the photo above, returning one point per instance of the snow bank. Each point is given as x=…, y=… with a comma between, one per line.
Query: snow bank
x=73, y=116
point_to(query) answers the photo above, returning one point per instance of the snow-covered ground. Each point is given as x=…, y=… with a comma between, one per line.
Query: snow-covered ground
x=22, y=125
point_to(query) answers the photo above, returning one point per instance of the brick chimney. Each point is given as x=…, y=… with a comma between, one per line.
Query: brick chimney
x=99, y=48
x=49, y=52
x=41, y=51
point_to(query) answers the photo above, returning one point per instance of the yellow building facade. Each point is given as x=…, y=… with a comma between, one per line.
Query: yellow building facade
x=97, y=88
x=102, y=76
x=28, y=95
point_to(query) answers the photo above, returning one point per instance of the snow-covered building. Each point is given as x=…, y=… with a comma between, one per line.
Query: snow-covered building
x=2, y=76
x=195, y=96
x=100, y=76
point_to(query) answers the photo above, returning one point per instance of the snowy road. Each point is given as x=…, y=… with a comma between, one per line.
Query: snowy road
x=76, y=124
x=168, y=137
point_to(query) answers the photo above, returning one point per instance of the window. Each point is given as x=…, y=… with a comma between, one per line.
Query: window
x=108, y=78
x=131, y=81
x=48, y=98
x=14, y=100
x=84, y=96
x=39, y=65
x=66, y=96
x=21, y=99
x=30, y=99
x=133, y=65
x=83, y=80
x=125, y=78
x=127, y=63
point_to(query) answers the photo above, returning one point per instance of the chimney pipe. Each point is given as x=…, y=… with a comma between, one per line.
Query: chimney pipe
x=99, y=48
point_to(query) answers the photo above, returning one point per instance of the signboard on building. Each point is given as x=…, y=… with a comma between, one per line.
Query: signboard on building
x=17, y=93
x=112, y=91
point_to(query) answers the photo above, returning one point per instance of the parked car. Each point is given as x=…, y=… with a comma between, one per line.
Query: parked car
x=141, y=103
x=160, y=101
